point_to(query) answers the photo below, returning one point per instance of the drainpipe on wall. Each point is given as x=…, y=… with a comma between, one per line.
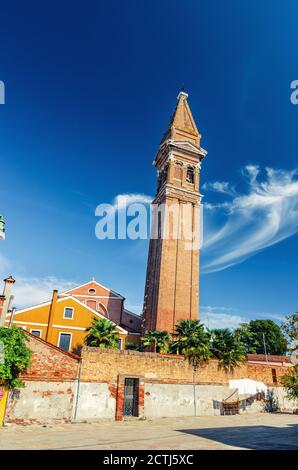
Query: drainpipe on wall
x=11, y=318
x=51, y=315
x=195, y=365
x=121, y=313
x=78, y=391
x=9, y=310
x=8, y=283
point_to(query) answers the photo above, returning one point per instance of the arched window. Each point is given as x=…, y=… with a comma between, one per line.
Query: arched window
x=103, y=310
x=190, y=175
x=162, y=177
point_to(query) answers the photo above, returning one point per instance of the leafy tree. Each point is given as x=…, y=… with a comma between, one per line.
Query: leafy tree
x=290, y=329
x=227, y=348
x=251, y=335
x=290, y=383
x=102, y=334
x=16, y=356
x=157, y=338
x=191, y=340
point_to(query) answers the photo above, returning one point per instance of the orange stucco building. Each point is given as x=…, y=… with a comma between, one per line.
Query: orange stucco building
x=63, y=320
x=108, y=303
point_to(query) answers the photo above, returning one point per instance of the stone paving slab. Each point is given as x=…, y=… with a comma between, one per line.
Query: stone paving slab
x=258, y=431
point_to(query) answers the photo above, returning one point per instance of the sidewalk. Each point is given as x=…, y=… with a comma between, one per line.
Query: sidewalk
x=261, y=431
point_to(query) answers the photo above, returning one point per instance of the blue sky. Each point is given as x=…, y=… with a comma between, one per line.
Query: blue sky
x=89, y=92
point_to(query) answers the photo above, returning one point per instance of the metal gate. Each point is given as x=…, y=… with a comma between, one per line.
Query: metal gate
x=131, y=391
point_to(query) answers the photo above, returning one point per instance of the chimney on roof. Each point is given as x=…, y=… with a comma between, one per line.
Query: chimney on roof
x=51, y=315
x=8, y=283
x=2, y=298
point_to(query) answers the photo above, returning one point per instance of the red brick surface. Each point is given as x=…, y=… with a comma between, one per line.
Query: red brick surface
x=101, y=365
x=49, y=362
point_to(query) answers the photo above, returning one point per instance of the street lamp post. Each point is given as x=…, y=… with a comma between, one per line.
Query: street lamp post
x=265, y=349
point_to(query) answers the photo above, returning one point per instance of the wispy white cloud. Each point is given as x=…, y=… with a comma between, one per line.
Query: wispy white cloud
x=123, y=200
x=120, y=204
x=234, y=230
x=266, y=214
x=251, y=172
x=28, y=291
x=220, y=317
x=4, y=265
x=228, y=317
x=222, y=320
x=223, y=187
x=31, y=291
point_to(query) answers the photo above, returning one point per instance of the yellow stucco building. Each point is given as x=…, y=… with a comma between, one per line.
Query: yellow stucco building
x=61, y=321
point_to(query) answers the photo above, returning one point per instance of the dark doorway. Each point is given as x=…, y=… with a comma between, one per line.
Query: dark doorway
x=131, y=392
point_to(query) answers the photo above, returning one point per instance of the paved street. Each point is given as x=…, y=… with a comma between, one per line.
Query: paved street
x=261, y=431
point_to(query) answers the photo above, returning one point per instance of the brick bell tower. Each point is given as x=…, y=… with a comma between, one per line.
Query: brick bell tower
x=172, y=281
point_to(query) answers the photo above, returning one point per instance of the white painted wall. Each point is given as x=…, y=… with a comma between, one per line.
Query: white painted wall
x=41, y=402
x=95, y=402
x=283, y=402
x=165, y=400
x=50, y=402
x=171, y=400
x=209, y=399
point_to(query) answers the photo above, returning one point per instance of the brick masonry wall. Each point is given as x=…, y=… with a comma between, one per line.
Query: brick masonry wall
x=166, y=385
x=49, y=362
x=99, y=365
x=50, y=387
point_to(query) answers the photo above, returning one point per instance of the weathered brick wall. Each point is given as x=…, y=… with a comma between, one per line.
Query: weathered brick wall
x=131, y=321
x=165, y=387
x=41, y=402
x=50, y=387
x=49, y=362
x=99, y=365
x=166, y=384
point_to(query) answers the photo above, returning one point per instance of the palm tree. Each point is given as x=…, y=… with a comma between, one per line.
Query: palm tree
x=227, y=347
x=102, y=334
x=157, y=338
x=192, y=340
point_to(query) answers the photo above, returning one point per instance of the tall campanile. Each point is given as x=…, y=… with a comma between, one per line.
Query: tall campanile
x=172, y=281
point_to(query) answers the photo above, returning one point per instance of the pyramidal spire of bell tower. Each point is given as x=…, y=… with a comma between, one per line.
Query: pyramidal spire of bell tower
x=172, y=282
x=182, y=125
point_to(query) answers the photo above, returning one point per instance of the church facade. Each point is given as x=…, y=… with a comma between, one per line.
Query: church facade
x=172, y=280
x=63, y=320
